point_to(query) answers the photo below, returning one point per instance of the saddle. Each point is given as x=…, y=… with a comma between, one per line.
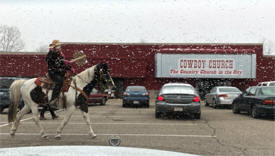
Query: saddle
x=47, y=83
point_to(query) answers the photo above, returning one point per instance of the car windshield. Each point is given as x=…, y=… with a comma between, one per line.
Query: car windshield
x=178, y=90
x=136, y=89
x=231, y=89
x=153, y=74
x=267, y=91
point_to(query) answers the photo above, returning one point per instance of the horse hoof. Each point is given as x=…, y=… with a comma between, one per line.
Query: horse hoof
x=44, y=136
x=12, y=134
x=55, y=117
x=57, y=137
x=42, y=118
x=93, y=136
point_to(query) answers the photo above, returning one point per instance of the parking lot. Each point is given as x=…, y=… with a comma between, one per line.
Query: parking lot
x=218, y=132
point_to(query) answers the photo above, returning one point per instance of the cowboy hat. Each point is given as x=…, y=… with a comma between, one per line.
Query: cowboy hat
x=55, y=43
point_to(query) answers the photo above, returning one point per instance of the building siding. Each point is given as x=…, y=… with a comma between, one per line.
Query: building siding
x=135, y=63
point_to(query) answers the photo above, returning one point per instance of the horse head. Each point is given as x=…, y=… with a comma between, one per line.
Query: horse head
x=104, y=76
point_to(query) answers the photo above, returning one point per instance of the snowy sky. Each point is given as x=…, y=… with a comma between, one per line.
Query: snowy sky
x=147, y=21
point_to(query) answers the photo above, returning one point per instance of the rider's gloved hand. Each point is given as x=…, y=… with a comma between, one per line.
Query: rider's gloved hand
x=73, y=70
x=67, y=62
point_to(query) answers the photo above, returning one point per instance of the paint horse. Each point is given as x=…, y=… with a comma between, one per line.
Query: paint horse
x=80, y=87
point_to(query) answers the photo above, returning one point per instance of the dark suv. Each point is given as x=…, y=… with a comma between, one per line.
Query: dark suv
x=5, y=83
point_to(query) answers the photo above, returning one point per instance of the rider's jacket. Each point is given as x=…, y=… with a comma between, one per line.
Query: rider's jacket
x=56, y=63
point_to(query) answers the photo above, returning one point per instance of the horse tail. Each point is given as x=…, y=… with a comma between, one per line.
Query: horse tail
x=15, y=96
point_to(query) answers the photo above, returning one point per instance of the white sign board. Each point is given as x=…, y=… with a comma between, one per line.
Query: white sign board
x=205, y=66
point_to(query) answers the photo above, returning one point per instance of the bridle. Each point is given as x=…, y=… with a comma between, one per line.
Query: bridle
x=101, y=77
x=106, y=77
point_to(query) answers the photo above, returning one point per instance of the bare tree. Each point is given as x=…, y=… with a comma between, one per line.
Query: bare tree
x=43, y=48
x=10, y=39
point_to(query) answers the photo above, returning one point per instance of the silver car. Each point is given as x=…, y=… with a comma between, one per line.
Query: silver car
x=221, y=95
x=178, y=98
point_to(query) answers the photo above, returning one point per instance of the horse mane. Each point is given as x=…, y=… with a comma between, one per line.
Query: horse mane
x=89, y=74
x=86, y=74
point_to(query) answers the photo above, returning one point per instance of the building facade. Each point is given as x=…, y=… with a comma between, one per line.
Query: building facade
x=152, y=65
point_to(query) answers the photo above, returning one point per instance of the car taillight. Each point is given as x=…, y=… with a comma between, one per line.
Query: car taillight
x=160, y=98
x=124, y=94
x=269, y=102
x=196, y=99
x=223, y=95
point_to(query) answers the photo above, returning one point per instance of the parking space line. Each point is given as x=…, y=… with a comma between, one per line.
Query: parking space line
x=102, y=134
x=116, y=123
x=26, y=119
x=6, y=124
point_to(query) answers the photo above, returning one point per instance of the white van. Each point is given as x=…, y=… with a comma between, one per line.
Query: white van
x=267, y=83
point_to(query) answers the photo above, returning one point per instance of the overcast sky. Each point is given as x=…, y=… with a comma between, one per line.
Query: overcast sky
x=135, y=21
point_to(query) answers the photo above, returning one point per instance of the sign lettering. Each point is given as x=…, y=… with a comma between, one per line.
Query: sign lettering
x=206, y=67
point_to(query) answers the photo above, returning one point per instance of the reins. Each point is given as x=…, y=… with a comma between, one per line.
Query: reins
x=80, y=90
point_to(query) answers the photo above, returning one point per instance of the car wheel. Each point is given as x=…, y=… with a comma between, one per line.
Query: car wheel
x=1, y=109
x=197, y=115
x=103, y=102
x=254, y=113
x=157, y=114
x=206, y=103
x=123, y=104
x=235, y=109
x=147, y=104
x=214, y=104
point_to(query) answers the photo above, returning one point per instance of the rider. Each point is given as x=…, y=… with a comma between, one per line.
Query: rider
x=57, y=68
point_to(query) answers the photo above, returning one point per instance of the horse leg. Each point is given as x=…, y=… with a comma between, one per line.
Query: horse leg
x=86, y=117
x=37, y=122
x=19, y=116
x=65, y=121
x=42, y=112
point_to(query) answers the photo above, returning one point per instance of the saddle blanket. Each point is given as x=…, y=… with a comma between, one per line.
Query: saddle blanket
x=48, y=84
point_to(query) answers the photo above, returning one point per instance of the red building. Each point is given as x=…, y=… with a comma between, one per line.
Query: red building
x=152, y=65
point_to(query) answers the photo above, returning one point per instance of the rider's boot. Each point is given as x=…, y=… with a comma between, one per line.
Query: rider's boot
x=54, y=116
x=42, y=117
x=56, y=90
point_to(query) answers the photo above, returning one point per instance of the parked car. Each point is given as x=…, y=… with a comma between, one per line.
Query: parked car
x=135, y=95
x=267, y=83
x=178, y=98
x=5, y=83
x=257, y=101
x=97, y=97
x=4, y=99
x=221, y=95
